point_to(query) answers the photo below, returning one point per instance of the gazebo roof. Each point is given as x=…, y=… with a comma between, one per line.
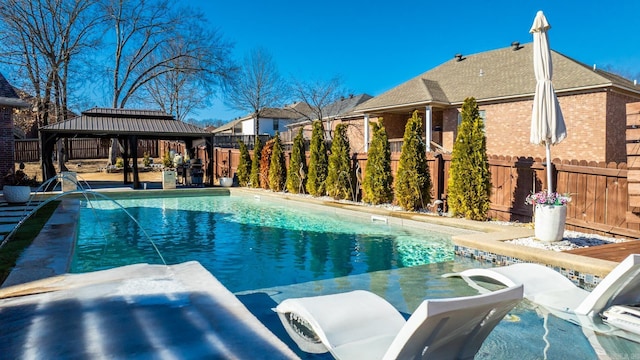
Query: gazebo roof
x=109, y=122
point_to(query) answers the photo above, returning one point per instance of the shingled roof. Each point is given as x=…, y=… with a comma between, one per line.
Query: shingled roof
x=492, y=75
x=109, y=122
x=8, y=96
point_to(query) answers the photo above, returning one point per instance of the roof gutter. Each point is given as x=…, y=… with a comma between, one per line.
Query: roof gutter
x=398, y=107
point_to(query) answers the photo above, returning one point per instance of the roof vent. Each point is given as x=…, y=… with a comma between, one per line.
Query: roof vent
x=635, y=82
x=459, y=57
x=594, y=67
x=516, y=46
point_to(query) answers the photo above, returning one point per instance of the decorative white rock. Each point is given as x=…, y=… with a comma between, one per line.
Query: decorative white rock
x=549, y=222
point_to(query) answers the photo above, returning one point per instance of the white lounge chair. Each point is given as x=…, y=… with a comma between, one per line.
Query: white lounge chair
x=549, y=288
x=362, y=325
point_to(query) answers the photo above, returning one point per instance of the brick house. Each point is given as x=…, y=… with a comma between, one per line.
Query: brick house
x=340, y=110
x=9, y=101
x=503, y=82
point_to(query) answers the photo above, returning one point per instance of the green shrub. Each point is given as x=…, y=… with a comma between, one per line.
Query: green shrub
x=378, y=179
x=413, y=181
x=318, y=162
x=469, y=188
x=167, y=161
x=339, y=176
x=297, y=173
x=254, y=178
x=146, y=159
x=277, y=166
x=265, y=163
x=244, y=165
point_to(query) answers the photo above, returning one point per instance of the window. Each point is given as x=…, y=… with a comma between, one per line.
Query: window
x=276, y=125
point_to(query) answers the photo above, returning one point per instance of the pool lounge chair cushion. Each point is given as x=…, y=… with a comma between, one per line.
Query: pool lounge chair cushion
x=362, y=325
x=549, y=288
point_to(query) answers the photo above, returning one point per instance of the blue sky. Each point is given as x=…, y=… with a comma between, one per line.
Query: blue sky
x=375, y=45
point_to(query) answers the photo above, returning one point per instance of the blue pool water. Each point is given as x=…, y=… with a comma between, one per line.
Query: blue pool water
x=246, y=243
x=266, y=251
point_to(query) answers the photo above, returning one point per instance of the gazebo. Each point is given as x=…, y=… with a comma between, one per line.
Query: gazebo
x=125, y=125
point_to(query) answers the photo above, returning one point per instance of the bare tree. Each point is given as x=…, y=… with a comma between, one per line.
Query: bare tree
x=157, y=41
x=319, y=95
x=256, y=86
x=40, y=40
x=154, y=38
x=195, y=79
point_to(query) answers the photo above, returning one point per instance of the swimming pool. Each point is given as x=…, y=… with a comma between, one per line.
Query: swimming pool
x=248, y=243
x=266, y=251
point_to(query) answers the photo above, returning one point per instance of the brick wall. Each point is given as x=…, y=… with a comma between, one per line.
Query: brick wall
x=6, y=142
x=617, y=125
x=508, y=128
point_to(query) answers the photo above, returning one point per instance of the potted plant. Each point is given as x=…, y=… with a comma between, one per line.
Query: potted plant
x=17, y=187
x=550, y=214
x=225, y=180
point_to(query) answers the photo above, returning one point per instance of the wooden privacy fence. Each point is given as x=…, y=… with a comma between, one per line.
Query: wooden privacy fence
x=28, y=150
x=599, y=191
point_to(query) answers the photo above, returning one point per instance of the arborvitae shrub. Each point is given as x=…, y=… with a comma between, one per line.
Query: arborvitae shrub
x=318, y=162
x=378, y=180
x=244, y=165
x=277, y=167
x=167, y=161
x=254, y=178
x=265, y=162
x=297, y=173
x=413, y=181
x=339, y=176
x=469, y=187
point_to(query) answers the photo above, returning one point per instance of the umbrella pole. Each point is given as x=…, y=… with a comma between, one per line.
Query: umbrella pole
x=548, y=148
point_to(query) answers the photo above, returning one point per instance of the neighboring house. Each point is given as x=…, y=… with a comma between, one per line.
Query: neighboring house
x=271, y=120
x=334, y=113
x=503, y=83
x=9, y=101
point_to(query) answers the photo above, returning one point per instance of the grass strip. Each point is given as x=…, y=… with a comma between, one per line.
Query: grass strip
x=23, y=237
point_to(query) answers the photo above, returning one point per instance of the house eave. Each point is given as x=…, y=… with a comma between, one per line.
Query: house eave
x=13, y=102
x=401, y=106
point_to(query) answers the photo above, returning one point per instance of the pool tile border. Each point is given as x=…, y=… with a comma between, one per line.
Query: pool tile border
x=583, y=280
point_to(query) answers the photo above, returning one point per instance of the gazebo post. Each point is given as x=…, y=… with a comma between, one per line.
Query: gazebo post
x=125, y=158
x=134, y=154
x=47, y=142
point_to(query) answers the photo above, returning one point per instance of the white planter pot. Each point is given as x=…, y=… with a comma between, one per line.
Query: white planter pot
x=16, y=194
x=550, y=222
x=226, y=181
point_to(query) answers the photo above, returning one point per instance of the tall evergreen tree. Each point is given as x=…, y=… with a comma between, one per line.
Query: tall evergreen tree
x=277, y=166
x=413, y=181
x=378, y=180
x=469, y=187
x=339, y=176
x=265, y=164
x=318, y=162
x=297, y=173
x=244, y=165
x=254, y=179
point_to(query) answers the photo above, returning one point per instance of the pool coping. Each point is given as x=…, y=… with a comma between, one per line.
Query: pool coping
x=51, y=252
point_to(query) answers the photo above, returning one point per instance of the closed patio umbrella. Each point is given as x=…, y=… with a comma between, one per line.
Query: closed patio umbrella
x=547, y=122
